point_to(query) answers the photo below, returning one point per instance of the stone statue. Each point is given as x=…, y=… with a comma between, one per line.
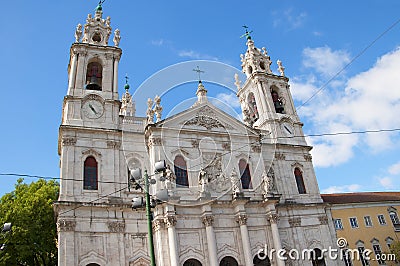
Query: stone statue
x=203, y=180
x=89, y=18
x=108, y=21
x=269, y=181
x=78, y=33
x=237, y=81
x=235, y=181
x=281, y=68
x=158, y=108
x=150, y=112
x=117, y=38
x=170, y=179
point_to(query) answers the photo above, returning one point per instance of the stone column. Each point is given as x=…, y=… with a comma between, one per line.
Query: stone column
x=242, y=220
x=158, y=226
x=115, y=77
x=208, y=221
x=66, y=242
x=170, y=221
x=273, y=220
x=263, y=97
x=72, y=72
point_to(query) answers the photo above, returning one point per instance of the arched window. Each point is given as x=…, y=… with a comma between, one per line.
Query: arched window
x=299, y=181
x=181, y=171
x=94, y=76
x=251, y=100
x=317, y=258
x=92, y=264
x=228, y=261
x=278, y=104
x=90, y=173
x=261, y=259
x=192, y=262
x=245, y=176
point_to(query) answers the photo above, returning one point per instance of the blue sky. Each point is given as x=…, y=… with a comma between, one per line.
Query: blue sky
x=314, y=42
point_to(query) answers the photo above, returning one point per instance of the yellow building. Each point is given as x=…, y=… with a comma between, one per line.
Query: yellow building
x=366, y=225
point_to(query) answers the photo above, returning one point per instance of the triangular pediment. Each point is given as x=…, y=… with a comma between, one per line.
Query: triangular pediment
x=206, y=117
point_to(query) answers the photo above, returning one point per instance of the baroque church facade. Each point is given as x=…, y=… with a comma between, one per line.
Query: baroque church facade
x=236, y=190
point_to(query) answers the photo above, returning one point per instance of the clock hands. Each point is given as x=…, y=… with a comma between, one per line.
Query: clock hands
x=92, y=108
x=287, y=129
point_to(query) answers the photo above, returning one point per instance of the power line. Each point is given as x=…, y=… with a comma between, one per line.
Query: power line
x=193, y=166
x=348, y=64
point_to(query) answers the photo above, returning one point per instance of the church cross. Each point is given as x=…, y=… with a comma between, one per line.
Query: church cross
x=198, y=72
x=247, y=33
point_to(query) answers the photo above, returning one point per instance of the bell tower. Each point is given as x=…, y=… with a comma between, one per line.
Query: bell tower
x=265, y=97
x=93, y=73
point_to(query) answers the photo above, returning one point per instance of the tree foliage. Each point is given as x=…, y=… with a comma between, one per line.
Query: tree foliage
x=33, y=238
x=395, y=249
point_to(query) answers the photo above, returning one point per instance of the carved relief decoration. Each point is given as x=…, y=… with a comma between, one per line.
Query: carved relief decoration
x=158, y=224
x=206, y=117
x=154, y=141
x=170, y=220
x=323, y=219
x=69, y=141
x=208, y=220
x=116, y=227
x=273, y=218
x=112, y=144
x=256, y=147
x=65, y=225
x=296, y=221
x=308, y=157
x=242, y=219
x=280, y=156
x=226, y=146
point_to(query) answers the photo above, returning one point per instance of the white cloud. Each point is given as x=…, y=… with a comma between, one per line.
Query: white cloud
x=229, y=103
x=386, y=182
x=368, y=101
x=324, y=60
x=289, y=19
x=229, y=98
x=195, y=55
x=341, y=189
x=394, y=169
x=159, y=42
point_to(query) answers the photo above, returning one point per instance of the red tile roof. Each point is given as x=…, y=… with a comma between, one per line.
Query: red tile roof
x=340, y=198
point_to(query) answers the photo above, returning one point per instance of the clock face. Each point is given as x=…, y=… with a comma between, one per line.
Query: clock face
x=93, y=109
x=288, y=129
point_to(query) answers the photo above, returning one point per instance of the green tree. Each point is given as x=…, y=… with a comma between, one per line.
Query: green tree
x=33, y=238
x=395, y=249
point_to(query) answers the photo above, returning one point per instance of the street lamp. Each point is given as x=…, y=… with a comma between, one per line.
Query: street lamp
x=137, y=202
x=6, y=228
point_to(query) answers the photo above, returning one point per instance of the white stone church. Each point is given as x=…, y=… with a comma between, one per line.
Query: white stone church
x=239, y=193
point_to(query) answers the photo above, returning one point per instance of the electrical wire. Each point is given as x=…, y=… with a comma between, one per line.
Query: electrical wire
x=324, y=86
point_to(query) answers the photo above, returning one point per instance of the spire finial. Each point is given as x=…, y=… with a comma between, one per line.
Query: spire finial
x=99, y=7
x=247, y=33
x=126, y=82
x=199, y=71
